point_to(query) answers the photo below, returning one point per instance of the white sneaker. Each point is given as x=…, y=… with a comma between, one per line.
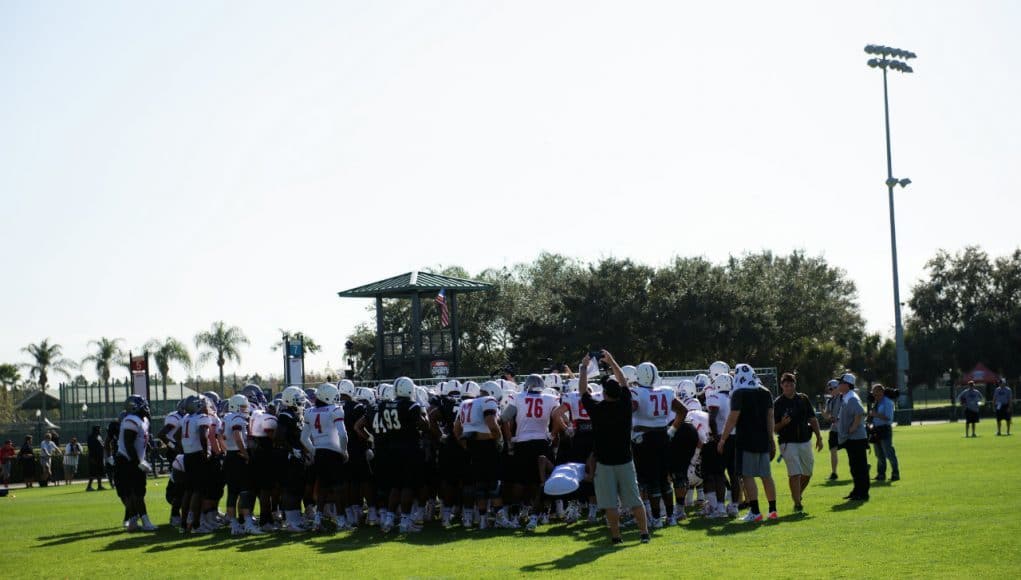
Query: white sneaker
x=720, y=513
x=205, y=528
x=656, y=523
x=751, y=518
x=533, y=522
x=544, y=519
x=147, y=524
x=466, y=520
x=132, y=525
x=253, y=529
x=236, y=529
x=293, y=527
x=484, y=522
x=405, y=525
x=732, y=510
x=269, y=527
x=386, y=524
x=341, y=522
x=175, y=521
x=672, y=521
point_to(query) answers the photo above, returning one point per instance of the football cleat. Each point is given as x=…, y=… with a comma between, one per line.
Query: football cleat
x=175, y=521
x=752, y=517
x=252, y=529
x=772, y=516
x=533, y=522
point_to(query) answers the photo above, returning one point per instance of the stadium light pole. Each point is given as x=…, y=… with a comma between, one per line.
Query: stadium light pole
x=884, y=57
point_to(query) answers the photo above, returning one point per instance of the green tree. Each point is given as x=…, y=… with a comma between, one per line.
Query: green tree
x=310, y=343
x=107, y=353
x=47, y=359
x=166, y=352
x=9, y=377
x=223, y=343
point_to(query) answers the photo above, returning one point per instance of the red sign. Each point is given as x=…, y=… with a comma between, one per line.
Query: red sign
x=440, y=369
x=138, y=364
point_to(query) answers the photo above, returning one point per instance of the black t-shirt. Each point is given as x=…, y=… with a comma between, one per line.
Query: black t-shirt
x=800, y=410
x=395, y=423
x=611, y=428
x=752, y=429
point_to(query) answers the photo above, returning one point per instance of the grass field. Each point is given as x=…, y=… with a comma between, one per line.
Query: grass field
x=954, y=514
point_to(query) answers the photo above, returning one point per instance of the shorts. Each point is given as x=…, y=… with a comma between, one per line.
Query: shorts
x=293, y=481
x=329, y=468
x=834, y=442
x=799, y=457
x=754, y=464
x=453, y=462
x=130, y=479
x=264, y=475
x=484, y=457
x=399, y=468
x=1003, y=413
x=971, y=416
x=652, y=458
x=712, y=461
x=617, y=481
x=173, y=492
x=237, y=472
x=358, y=468
x=196, y=472
x=525, y=467
x=580, y=447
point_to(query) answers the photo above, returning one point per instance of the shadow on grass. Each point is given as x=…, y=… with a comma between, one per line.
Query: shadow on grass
x=848, y=505
x=64, y=539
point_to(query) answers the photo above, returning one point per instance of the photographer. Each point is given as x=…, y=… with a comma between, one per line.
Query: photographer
x=882, y=424
x=611, y=433
x=795, y=427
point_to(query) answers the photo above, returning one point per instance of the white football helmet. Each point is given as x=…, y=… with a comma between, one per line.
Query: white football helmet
x=452, y=388
x=571, y=386
x=491, y=389
x=328, y=394
x=595, y=388
x=647, y=374
x=701, y=382
x=554, y=381
x=293, y=397
x=404, y=388
x=238, y=404
x=630, y=375
x=385, y=392
x=421, y=396
x=346, y=388
x=471, y=390
x=723, y=383
x=364, y=395
x=686, y=389
x=718, y=368
x=534, y=383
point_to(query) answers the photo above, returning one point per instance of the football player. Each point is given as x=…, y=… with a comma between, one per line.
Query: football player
x=131, y=464
x=452, y=457
x=324, y=431
x=526, y=424
x=653, y=414
x=478, y=428
x=579, y=439
x=718, y=403
x=684, y=453
x=262, y=426
x=356, y=401
x=291, y=452
x=170, y=433
x=237, y=469
x=195, y=446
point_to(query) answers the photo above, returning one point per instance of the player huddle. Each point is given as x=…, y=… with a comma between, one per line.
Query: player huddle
x=397, y=456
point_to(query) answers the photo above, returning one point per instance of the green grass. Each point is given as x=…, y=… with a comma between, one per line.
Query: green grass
x=955, y=513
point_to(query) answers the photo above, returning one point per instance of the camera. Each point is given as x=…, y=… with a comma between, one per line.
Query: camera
x=595, y=355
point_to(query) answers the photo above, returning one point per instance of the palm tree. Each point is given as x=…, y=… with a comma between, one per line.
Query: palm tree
x=222, y=342
x=310, y=344
x=108, y=353
x=169, y=351
x=46, y=358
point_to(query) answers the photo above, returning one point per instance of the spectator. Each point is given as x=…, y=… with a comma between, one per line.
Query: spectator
x=831, y=413
x=96, y=465
x=7, y=455
x=47, y=449
x=882, y=424
x=795, y=427
x=615, y=476
x=72, y=452
x=751, y=411
x=971, y=399
x=1003, y=399
x=26, y=458
x=852, y=436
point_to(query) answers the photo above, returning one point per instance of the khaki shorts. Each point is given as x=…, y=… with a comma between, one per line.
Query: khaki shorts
x=799, y=457
x=617, y=481
x=755, y=464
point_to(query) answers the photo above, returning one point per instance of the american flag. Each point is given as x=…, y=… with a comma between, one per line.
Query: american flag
x=441, y=303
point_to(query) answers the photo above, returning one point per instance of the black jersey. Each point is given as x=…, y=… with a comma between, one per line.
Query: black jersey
x=353, y=411
x=395, y=424
x=288, y=433
x=447, y=415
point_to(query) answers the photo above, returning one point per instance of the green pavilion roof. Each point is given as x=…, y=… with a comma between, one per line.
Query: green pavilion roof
x=412, y=282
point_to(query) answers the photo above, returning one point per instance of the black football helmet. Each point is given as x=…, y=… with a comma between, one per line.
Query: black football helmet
x=136, y=405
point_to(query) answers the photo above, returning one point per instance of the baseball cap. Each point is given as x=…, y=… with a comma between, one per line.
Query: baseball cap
x=849, y=379
x=832, y=384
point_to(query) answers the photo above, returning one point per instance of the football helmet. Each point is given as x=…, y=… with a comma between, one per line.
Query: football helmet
x=238, y=404
x=310, y=395
x=328, y=394
x=471, y=390
x=718, y=368
x=404, y=388
x=293, y=398
x=452, y=388
x=647, y=374
x=364, y=395
x=136, y=405
x=195, y=404
x=554, y=381
x=491, y=389
x=571, y=386
x=254, y=394
x=534, y=383
x=686, y=389
x=346, y=388
x=701, y=381
x=180, y=407
x=385, y=392
x=723, y=383
x=630, y=374
x=213, y=396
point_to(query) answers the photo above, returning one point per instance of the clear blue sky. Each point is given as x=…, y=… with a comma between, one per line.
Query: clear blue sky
x=167, y=164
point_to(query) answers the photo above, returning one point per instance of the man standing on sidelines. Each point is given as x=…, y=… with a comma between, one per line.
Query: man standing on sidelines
x=971, y=399
x=1003, y=399
x=831, y=413
x=751, y=411
x=615, y=476
x=852, y=437
x=795, y=427
x=882, y=423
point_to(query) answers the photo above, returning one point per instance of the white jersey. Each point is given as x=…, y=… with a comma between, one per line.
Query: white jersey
x=473, y=414
x=533, y=415
x=578, y=412
x=261, y=423
x=700, y=419
x=173, y=421
x=653, y=406
x=140, y=426
x=191, y=439
x=235, y=423
x=324, y=428
x=722, y=401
